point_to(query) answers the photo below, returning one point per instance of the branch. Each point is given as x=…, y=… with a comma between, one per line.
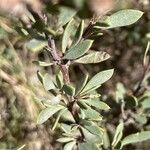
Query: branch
x=65, y=71
x=58, y=59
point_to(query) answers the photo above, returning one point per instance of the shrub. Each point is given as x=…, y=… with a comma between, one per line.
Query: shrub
x=74, y=109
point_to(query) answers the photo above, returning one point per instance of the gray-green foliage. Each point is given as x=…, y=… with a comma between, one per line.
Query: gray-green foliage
x=65, y=15
x=77, y=110
x=118, y=134
x=78, y=50
x=137, y=137
x=122, y=18
x=93, y=57
x=36, y=45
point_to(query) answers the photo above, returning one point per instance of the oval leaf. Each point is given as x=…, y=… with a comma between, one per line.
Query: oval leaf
x=47, y=113
x=68, y=89
x=65, y=15
x=65, y=139
x=58, y=117
x=134, y=138
x=48, y=83
x=78, y=50
x=90, y=136
x=91, y=114
x=42, y=64
x=124, y=18
x=81, y=84
x=79, y=33
x=36, y=45
x=118, y=134
x=67, y=34
x=59, y=80
x=96, y=130
x=67, y=117
x=69, y=146
x=88, y=146
x=93, y=57
x=98, y=79
x=40, y=76
x=97, y=104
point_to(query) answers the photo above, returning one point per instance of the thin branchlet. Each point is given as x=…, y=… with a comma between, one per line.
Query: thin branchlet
x=64, y=68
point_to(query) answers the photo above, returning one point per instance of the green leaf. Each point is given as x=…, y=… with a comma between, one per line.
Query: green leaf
x=36, y=45
x=40, y=76
x=78, y=50
x=82, y=104
x=81, y=84
x=98, y=79
x=67, y=117
x=96, y=130
x=65, y=15
x=106, y=140
x=59, y=80
x=90, y=137
x=66, y=128
x=93, y=57
x=118, y=134
x=69, y=146
x=42, y=64
x=65, y=139
x=88, y=146
x=50, y=100
x=91, y=114
x=48, y=112
x=120, y=92
x=97, y=104
x=137, y=137
x=146, y=103
x=79, y=33
x=91, y=95
x=21, y=147
x=74, y=132
x=95, y=35
x=68, y=89
x=89, y=92
x=124, y=18
x=48, y=83
x=145, y=54
x=55, y=99
x=58, y=118
x=67, y=34
x=20, y=30
x=86, y=123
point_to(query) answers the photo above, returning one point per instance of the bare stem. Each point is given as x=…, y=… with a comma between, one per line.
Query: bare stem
x=58, y=59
